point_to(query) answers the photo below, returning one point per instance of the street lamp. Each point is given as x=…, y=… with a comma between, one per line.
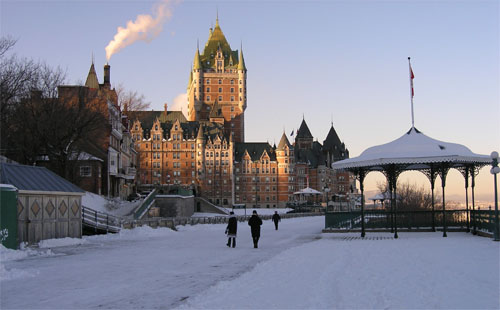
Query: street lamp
x=326, y=190
x=495, y=170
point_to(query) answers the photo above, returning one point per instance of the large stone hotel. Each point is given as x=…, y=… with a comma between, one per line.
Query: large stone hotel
x=207, y=151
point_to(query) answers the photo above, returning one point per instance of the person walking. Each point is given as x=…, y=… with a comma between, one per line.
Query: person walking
x=231, y=229
x=255, y=222
x=276, y=218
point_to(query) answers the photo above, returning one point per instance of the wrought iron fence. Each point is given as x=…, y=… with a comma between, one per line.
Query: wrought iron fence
x=382, y=219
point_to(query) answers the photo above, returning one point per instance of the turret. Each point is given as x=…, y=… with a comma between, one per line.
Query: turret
x=242, y=83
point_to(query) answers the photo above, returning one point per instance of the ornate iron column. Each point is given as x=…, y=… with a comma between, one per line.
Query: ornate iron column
x=465, y=173
x=361, y=176
x=431, y=174
x=443, y=171
x=392, y=172
x=474, y=172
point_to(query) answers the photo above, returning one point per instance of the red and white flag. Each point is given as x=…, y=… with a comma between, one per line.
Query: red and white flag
x=412, y=76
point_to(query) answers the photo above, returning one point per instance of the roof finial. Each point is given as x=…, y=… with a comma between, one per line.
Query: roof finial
x=92, y=57
x=217, y=17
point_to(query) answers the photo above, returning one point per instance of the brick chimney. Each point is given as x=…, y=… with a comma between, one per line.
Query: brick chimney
x=107, y=80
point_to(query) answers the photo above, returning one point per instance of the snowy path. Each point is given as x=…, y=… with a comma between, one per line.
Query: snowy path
x=152, y=269
x=294, y=268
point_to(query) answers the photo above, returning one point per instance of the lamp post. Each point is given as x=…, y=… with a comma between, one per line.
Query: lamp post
x=326, y=190
x=495, y=170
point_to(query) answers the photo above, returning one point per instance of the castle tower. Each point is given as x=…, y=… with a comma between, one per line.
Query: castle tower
x=218, y=78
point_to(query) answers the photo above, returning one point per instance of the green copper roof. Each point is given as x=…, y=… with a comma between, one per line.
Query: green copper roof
x=217, y=39
x=241, y=64
x=197, y=63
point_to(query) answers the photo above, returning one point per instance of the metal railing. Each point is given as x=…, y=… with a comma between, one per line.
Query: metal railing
x=98, y=222
x=172, y=222
x=483, y=220
x=145, y=205
x=382, y=219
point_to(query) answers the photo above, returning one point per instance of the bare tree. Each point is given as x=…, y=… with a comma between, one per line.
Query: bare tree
x=410, y=197
x=40, y=120
x=131, y=100
x=6, y=43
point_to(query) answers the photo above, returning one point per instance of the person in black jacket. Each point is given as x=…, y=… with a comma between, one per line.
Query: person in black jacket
x=231, y=229
x=255, y=222
x=276, y=218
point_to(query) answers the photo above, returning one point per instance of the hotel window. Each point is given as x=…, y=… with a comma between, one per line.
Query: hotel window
x=208, y=81
x=232, y=82
x=220, y=98
x=220, y=89
x=208, y=99
x=240, y=89
x=232, y=99
x=220, y=81
x=208, y=89
x=232, y=89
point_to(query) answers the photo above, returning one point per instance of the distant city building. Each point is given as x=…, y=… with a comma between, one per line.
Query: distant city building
x=208, y=153
x=107, y=164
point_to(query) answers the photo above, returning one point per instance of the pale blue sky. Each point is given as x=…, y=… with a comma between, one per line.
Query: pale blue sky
x=344, y=61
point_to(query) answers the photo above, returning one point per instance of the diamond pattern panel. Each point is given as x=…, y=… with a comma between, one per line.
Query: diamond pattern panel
x=35, y=208
x=50, y=208
x=75, y=208
x=63, y=208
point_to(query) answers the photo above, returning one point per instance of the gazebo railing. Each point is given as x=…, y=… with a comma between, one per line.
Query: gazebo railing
x=483, y=219
x=382, y=219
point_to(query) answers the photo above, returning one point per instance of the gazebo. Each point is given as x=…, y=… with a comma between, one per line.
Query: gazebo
x=415, y=151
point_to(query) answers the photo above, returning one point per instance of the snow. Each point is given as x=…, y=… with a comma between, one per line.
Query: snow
x=112, y=206
x=296, y=267
x=412, y=148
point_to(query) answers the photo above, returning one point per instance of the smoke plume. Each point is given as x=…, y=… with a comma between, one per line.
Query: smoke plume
x=180, y=103
x=144, y=28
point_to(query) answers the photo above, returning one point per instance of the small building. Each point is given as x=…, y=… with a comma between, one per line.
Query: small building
x=48, y=206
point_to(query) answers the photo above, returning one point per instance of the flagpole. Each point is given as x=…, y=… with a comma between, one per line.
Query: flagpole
x=411, y=92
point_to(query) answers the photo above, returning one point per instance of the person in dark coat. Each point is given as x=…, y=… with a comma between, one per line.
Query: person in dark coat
x=231, y=229
x=276, y=218
x=255, y=222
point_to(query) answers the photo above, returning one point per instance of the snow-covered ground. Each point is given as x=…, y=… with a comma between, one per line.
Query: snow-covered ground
x=112, y=206
x=295, y=267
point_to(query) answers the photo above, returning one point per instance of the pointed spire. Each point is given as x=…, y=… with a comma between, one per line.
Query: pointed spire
x=92, y=81
x=304, y=131
x=197, y=62
x=284, y=142
x=241, y=64
x=200, y=133
x=217, y=18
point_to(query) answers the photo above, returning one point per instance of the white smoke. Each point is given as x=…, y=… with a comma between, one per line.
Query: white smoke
x=144, y=28
x=180, y=103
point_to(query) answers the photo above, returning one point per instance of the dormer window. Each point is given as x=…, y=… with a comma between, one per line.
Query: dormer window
x=156, y=127
x=176, y=128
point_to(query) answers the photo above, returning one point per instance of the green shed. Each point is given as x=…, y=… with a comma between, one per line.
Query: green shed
x=8, y=216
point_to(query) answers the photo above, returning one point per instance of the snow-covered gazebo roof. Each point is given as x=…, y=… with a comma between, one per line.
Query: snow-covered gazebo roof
x=413, y=151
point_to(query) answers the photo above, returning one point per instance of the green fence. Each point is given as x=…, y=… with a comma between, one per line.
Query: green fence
x=483, y=220
x=381, y=219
